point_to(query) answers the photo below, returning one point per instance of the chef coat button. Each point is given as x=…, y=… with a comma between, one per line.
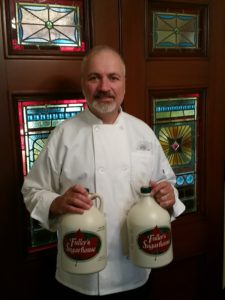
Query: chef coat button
x=121, y=127
x=96, y=128
x=101, y=170
x=124, y=168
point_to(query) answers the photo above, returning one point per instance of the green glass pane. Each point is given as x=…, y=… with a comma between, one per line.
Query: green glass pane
x=175, y=125
x=178, y=141
x=175, y=109
x=36, y=120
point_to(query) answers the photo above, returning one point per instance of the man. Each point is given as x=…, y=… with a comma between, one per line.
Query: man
x=111, y=153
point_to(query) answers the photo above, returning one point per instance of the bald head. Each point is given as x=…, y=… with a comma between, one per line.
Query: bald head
x=97, y=50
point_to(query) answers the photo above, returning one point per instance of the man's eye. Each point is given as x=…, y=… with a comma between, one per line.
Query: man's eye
x=114, y=78
x=92, y=78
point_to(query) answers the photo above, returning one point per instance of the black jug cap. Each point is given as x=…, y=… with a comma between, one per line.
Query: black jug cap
x=145, y=190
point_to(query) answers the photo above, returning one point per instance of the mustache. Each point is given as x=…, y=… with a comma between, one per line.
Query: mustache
x=100, y=95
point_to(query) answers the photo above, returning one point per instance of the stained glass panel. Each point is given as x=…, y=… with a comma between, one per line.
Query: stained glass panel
x=36, y=120
x=176, y=29
x=173, y=30
x=48, y=26
x=175, y=124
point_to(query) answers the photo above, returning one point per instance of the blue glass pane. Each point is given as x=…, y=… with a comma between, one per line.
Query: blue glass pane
x=175, y=30
x=175, y=124
x=36, y=120
x=48, y=24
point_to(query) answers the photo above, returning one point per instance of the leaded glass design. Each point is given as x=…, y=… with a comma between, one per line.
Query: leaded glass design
x=48, y=24
x=175, y=30
x=175, y=124
x=48, y=27
x=36, y=120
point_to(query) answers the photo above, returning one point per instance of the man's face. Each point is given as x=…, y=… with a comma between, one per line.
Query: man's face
x=103, y=84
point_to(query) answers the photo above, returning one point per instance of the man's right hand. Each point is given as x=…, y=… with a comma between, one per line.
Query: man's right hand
x=74, y=200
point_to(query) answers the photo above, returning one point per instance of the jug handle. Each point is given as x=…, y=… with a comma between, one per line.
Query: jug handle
x=98, y=200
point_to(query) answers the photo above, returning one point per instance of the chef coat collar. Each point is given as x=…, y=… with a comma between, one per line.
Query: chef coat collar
x=96, y=120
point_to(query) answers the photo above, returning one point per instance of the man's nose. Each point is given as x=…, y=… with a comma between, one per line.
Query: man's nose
x=104, y=84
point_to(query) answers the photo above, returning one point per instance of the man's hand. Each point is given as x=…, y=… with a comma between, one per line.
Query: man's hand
x=163, y=193
x=74, y=200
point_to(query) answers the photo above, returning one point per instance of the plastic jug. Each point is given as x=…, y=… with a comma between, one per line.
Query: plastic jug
x=83, y=239
x=149, y=233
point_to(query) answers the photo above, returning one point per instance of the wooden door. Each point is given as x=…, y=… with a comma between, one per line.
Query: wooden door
x=196, y=271
x=197, y=268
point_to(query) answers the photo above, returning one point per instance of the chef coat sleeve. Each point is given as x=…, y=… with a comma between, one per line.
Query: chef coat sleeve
x=40, y=188
x=164, y=171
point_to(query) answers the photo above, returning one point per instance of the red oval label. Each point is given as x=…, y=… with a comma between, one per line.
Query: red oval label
x=155, y=241
x=81, y=245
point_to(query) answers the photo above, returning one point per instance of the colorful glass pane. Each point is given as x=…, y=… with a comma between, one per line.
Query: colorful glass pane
x=36, y=120
x=175, y=124
x=47, y=25
x=177, y=142
x=175, y=30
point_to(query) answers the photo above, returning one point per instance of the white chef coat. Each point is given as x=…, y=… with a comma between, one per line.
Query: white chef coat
x=114, y=160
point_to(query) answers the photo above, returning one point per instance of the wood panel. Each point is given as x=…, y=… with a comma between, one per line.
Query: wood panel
x=50, y=75
x=133, y=40
x=178, y=73
x=106, y=22
x=196, y=271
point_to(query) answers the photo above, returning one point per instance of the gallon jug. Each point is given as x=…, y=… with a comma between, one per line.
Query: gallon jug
x=83, y=239
x=149, y=233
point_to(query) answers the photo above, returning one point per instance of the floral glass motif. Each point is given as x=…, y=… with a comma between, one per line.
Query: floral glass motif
x=175, y=30
x=48, y=24
x=175, y=124
x=36, y=120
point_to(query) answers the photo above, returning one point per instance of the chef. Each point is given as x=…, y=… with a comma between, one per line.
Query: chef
x=111, y=153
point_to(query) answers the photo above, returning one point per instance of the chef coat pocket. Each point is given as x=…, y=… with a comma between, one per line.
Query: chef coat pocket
x=141, y=169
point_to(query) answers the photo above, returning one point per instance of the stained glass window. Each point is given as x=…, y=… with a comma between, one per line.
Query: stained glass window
x=176, y=29
x=48, y=26
x=173, y=30
x=175, y=124
x=36, y=120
